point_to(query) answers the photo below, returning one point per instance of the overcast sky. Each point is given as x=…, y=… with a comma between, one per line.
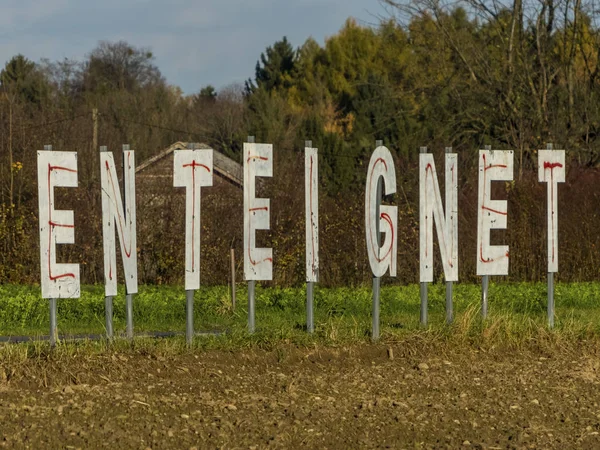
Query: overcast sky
x=195, y=42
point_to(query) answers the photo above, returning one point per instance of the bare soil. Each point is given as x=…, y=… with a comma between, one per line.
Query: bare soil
x=364, y=396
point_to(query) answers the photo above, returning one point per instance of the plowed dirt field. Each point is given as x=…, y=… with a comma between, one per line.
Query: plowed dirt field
x=363, y=396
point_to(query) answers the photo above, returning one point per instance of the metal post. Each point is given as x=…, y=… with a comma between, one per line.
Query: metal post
x=377, y=280
x=251, y=286
x=449, y=306
x=53, y=333
x=52, y=302
x=232, y=279
x=550, y=282
x=108, y=312
x=108, y=300
x=189, y=316
x=551, y=299
x=129, y=313
x=251, y=326
x=128, y=296
x=423, y=294
x=310, y=325
x=376, y=295
x=485, y=281
x=423, y=285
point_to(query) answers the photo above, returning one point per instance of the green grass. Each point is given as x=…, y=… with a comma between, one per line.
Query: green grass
x=517, y=313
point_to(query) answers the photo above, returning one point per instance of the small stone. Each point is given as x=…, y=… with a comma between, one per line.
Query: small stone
x=170, y=433
x=400, y=404
x=185, y=416
x=466, y=443
x=535, y=401
x=423, y=366
x=515, y=407
x=68, y=390
x=463, y=394
x=231, y=407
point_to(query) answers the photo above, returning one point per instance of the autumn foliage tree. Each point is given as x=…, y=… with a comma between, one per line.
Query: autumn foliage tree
x=513, y=75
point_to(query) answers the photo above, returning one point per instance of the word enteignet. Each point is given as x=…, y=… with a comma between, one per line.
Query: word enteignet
x=193, y=169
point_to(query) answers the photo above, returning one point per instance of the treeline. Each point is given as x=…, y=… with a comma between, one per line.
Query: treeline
x=464, y=74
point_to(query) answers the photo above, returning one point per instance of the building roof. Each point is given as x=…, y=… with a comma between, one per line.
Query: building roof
x=223, y=166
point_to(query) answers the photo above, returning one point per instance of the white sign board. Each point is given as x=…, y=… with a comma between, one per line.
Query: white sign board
x=114, y=215
x=192, y=169
x=311, y=176
x=258, y=162
x=385, y=256
x=431, y=210
x=551, y=170
x=56, y=227
x=494, y=165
